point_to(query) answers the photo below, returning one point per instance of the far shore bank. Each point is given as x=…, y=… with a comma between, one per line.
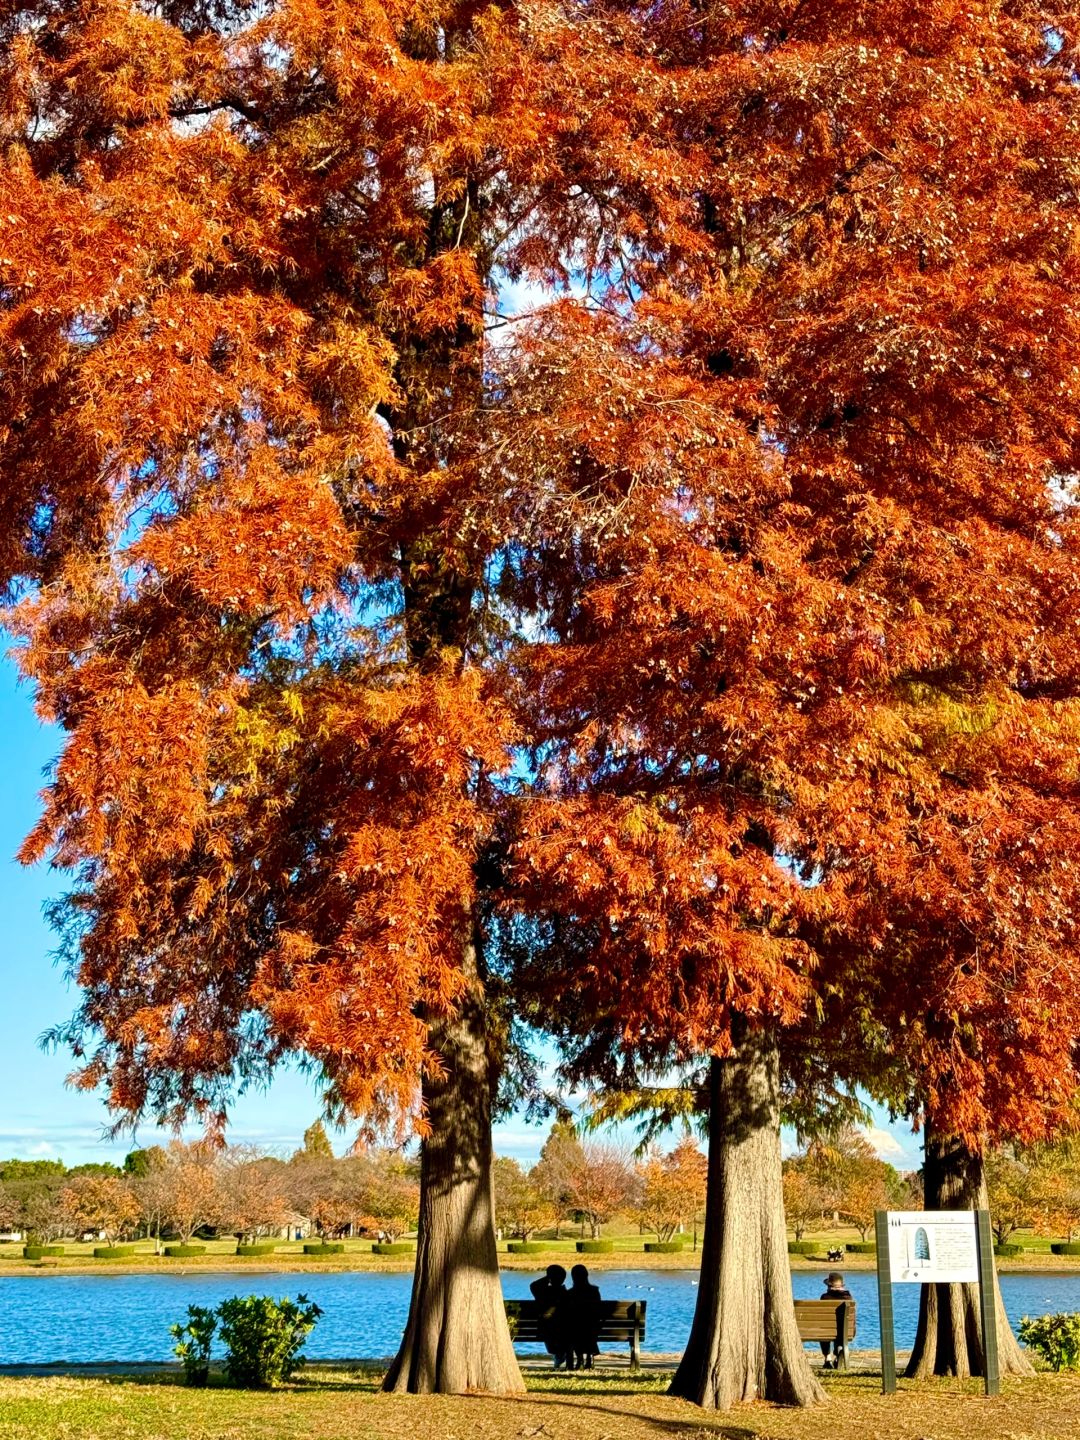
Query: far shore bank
x=360, y=1261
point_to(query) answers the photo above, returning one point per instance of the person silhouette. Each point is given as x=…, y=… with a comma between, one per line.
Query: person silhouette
x=835, y=1289
x=582, y=1324
x=549, y=1292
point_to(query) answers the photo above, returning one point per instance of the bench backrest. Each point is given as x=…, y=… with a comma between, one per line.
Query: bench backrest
x=820, y=1319
x=619, y=1319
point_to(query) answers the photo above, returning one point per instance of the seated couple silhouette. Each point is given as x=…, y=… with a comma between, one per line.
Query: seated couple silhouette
x=569, y=1318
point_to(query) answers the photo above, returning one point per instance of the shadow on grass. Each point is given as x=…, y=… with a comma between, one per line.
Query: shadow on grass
x=579, y=1401
x=358, y=1381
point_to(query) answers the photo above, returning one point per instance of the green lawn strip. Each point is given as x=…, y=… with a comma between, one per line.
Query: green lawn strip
x=347, y=1405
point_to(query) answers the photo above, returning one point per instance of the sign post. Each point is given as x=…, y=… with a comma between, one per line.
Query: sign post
x=884, y=1301
x=935, y=1247
x=985, y=1244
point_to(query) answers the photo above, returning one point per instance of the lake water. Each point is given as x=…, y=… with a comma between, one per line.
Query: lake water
x=124, y=1318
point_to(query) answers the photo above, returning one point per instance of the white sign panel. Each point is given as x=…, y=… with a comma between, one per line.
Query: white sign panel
x=932, y=1247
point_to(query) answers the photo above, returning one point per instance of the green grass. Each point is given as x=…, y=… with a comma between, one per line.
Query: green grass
x=347, y=1405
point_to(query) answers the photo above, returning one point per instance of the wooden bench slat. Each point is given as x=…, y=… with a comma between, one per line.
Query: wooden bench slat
x=620, y=1320
x=827, y=1320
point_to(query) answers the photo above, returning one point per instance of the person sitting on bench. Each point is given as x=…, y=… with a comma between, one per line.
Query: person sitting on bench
x=581, y=1309
x=549, y=1292
x=835, y=1289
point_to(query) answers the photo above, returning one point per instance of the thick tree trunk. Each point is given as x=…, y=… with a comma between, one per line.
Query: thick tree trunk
x=949, y=1336
x=457, y=1339
x=744, y=1344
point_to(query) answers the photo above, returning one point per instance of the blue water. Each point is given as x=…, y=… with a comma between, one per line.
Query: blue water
x=127, y=1317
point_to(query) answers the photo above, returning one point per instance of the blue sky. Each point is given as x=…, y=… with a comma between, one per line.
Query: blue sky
x=39, y=1116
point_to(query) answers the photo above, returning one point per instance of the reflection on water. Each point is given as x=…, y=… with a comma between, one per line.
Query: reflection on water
x=127, y=1317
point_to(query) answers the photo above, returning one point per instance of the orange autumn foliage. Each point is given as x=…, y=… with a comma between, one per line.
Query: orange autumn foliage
x=808, y=721
x=250, y=517
x=762, y=560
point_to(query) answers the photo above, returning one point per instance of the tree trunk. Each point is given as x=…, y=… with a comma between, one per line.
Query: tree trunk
x=457, y=1339
x=744, y=1344
x=948, y=1340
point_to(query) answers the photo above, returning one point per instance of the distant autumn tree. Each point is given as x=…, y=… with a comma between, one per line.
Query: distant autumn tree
x=268, y=544
x=672, y=1189
x=319, y=1190
x=100, y=1203
x=185, y=1190
x=560, y=1154
x=1054, y=1188
x=389, y=1194
x=1014, y=1192
x=810, y=711
x=9, y=1210
x=252, y=1199
x=600, y=1184
x=153, y=1187
x=522, y=1204
x=805, y=1202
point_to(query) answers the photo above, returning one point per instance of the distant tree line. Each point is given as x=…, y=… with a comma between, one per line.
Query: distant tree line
x=838, y=1178
x=182, y=1189
x=1035, y=1188
x=590, y=1184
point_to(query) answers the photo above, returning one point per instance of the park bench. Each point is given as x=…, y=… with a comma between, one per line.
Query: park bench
x=621, y=1321
x=827, y=1320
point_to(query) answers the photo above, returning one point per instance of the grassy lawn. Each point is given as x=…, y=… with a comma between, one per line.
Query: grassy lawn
x=347, y=1406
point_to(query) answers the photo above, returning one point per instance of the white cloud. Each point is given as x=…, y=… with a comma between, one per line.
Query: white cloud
x=887, y=1146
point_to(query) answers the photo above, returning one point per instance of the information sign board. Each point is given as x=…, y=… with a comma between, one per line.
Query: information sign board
x=933, y=1247
x=942, y=1247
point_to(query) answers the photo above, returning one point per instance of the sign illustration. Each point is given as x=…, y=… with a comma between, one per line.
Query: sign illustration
x=932, y=1247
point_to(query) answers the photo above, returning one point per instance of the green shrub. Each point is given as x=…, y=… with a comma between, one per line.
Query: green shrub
x=1062, y=1247
x=184, y=1252
x=524, y=1247
x=1054, y=1338
x=257, y=1249
x=861, y=1247
x=321, y=1247
x=394, y=1247
x=113, y=1252
x=595, y=1247
x=663, y=1247
x=42, y=1252
x=193, y=1341
x=803, y=1247
x=1007, y=1251
x=263, y=1337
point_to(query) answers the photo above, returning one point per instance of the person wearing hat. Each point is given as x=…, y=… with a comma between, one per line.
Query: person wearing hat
x=835, y=1289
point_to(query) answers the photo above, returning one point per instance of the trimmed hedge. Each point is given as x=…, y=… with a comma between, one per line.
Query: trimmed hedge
x=113, y=1252
x=595, y=1247
x=391, y=1247
x=663, y=1247
x=803, y=1247
x=184, y=1252
x=42, y=1252
x=525, y=1247
x=257, y=1249
x=1062, y=1247
x=861, y=1247
x=1008, y=1252
x=325, y=1248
